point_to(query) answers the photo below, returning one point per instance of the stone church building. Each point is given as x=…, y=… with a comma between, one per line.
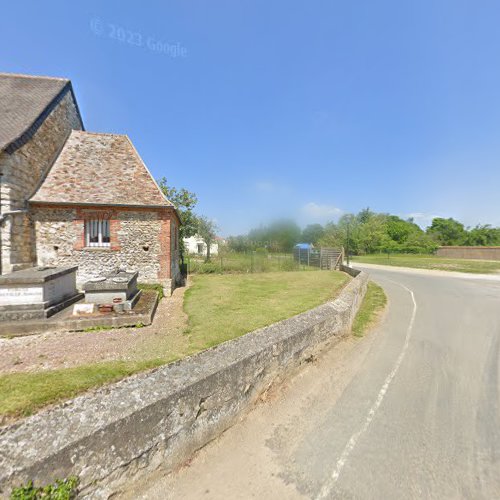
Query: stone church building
x=71, y=197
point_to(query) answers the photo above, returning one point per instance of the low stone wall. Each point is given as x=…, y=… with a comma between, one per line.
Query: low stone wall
x=481, y=253
x=159, y=418
x=349, y=270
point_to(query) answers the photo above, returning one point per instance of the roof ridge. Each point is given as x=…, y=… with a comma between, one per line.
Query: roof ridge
x=41, y=77
x=86, y=132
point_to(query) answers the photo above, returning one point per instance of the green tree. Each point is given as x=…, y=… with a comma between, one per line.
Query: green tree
x=207, y=229
x=239, y=243
x=419, y=242
x=312, y=233
x=364, y=215
x=447, y=231
x=184, y=202
x=483, y=235
x=279, y=236
x=398, y=229
x=373, y=234
x=334, y=236
x=344, y=233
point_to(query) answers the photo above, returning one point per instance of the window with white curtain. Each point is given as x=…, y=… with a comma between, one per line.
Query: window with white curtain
x=97, y=233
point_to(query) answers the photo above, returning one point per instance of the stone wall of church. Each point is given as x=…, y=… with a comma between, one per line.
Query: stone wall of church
x=141, y=240
x=22, y=171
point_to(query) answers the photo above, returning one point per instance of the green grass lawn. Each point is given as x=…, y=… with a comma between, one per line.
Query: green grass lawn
x=224, y=307
x=431, y=262
x=220, y=307
x=373, y=303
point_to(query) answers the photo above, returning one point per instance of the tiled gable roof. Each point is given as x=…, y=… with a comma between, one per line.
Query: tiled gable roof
x=25, y=101
x=99, y=169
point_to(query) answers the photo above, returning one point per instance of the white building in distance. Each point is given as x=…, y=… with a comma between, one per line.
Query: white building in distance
x=195, y=245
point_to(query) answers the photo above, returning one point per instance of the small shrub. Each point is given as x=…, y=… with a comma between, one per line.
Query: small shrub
x=61, y=489
x=152, y=286
x=209, y=267
x=289, y=265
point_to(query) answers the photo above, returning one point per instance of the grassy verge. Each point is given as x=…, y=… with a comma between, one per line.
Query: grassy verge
x=219, y=307
x=373, y=304
x=431, y=262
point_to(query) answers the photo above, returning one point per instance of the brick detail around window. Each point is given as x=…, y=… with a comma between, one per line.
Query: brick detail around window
x=83, y=215
x=114, y=228
x=79, y=229
x=164, y=237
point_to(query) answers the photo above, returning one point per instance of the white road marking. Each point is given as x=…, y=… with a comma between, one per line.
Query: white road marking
x=330, y=484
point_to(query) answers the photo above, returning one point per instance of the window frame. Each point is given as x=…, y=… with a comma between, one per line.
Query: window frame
x=99, y=228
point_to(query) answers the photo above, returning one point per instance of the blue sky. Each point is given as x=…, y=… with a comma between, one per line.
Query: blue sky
x=274, y=108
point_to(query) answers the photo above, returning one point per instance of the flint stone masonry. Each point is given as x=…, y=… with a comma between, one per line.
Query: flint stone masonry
x=142, y=242
x=158, y=419
x=22, y=171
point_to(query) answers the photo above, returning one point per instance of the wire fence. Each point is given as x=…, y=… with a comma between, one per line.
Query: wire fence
x=260, y=262
x=245, y=262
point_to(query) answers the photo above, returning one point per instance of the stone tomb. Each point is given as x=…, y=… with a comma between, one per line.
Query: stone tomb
x=37, y=293
x=118, y=289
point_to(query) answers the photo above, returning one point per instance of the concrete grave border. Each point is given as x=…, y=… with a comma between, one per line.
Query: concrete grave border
x=75, y=324
x=160, y=418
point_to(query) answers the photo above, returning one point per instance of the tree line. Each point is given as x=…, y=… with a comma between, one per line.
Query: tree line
x=362, y=233
x=367, y=232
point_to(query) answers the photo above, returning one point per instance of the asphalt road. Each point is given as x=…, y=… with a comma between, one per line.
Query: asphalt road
x=410, y=411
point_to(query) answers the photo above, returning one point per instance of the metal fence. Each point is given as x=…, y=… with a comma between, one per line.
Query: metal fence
x=259, y=262
x=323, y=258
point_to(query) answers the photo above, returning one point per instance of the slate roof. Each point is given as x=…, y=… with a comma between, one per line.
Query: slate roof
x=25, y=102
x=100, y=169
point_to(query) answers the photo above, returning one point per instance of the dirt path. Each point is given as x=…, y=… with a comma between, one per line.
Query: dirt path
x=48, y=351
